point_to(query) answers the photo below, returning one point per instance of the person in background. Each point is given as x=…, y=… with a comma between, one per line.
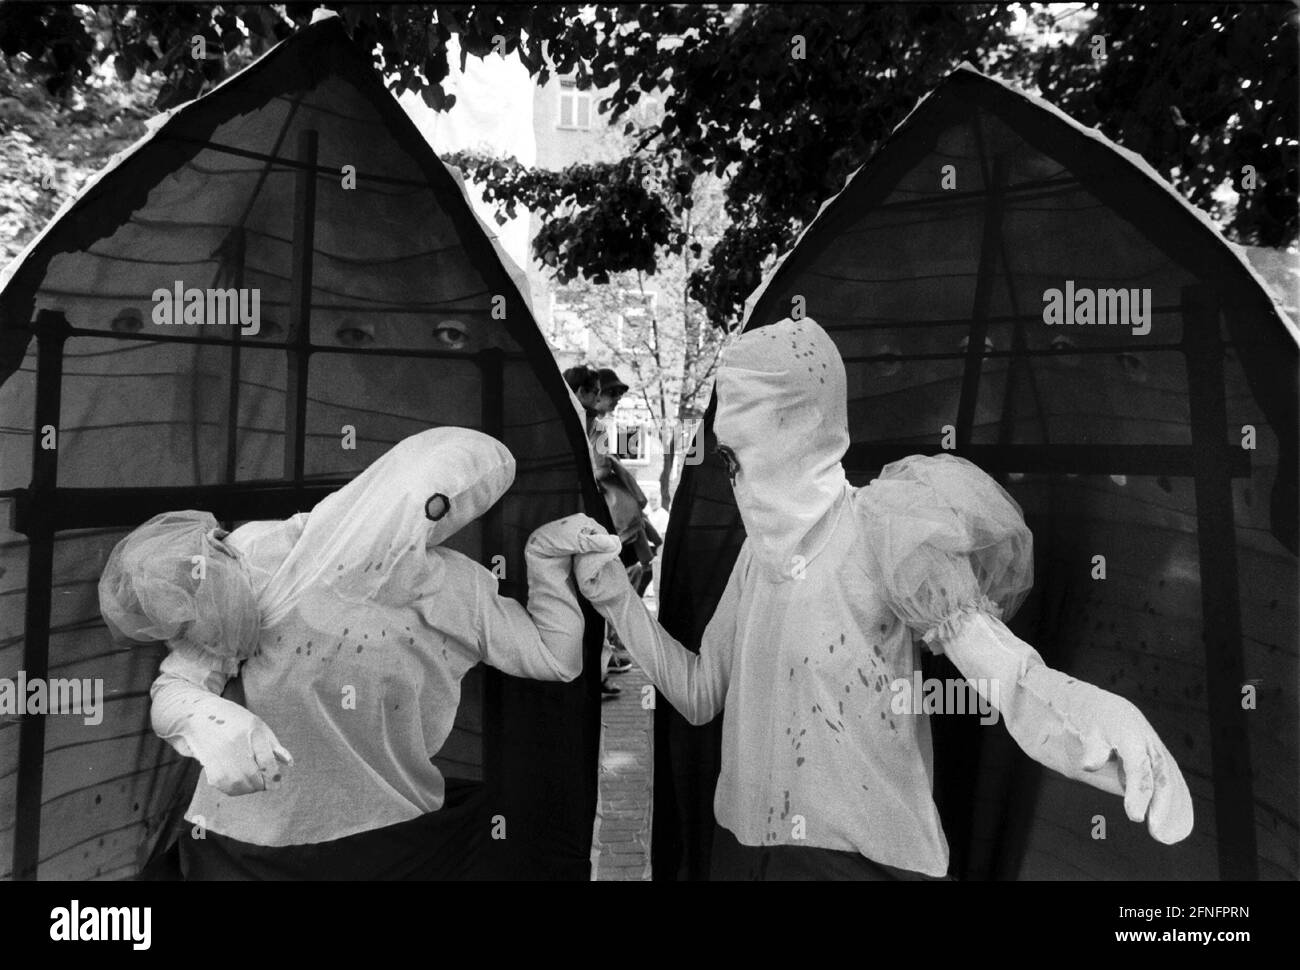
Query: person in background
x=640, y=537
x=656, y=514
x=657, y=517
x=597, y=401
x=585, y=384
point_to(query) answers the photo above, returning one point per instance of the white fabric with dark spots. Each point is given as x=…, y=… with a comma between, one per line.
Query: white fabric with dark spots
x=833, y=592
x=782, y=410
x=367, y=627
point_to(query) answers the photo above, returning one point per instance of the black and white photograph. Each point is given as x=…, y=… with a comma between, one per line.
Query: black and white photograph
x=557, y=443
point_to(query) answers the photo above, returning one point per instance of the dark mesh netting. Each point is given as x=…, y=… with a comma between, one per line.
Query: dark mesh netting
x=386, y=308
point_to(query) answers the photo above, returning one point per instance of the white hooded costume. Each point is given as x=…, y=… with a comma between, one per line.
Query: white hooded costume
x=831, y=590
x=351, y=628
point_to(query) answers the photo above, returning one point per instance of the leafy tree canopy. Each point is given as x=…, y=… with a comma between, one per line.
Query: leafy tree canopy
x=780, y=101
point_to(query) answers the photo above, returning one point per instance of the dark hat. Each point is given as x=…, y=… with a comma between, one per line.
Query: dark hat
x=609, y=381
x=582, y=378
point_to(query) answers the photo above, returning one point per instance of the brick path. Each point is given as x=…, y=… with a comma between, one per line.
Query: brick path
x=621, y=846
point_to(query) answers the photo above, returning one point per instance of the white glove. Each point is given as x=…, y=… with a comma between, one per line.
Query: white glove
x=239, y=752
x=601, y=576
x=552, y=601
x=694, y=683
x=1120, y=751
x=572, y=535
x=1072, y=727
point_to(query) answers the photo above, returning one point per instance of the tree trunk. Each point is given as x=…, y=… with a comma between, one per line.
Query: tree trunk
x=666, y=472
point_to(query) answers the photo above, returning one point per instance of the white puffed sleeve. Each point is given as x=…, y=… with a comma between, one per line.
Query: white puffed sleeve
x=175, y=579
x=946, y=539
x=953, y=555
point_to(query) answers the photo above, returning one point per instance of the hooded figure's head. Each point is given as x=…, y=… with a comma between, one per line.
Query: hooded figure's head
x=372, y=538
x=783, y=413
x=175, y=579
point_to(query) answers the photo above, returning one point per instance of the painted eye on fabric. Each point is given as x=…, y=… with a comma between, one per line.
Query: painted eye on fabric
x=451, y=334
x=128, y=320
x=888, y=362
x=1134, y=367
x=1068, y=350
x=355, y=335
x=436, y=507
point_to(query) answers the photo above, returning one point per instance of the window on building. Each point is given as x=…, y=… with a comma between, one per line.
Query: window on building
x=575, y=105
x=646, y=111
x=567, y=332
x=635, y=312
